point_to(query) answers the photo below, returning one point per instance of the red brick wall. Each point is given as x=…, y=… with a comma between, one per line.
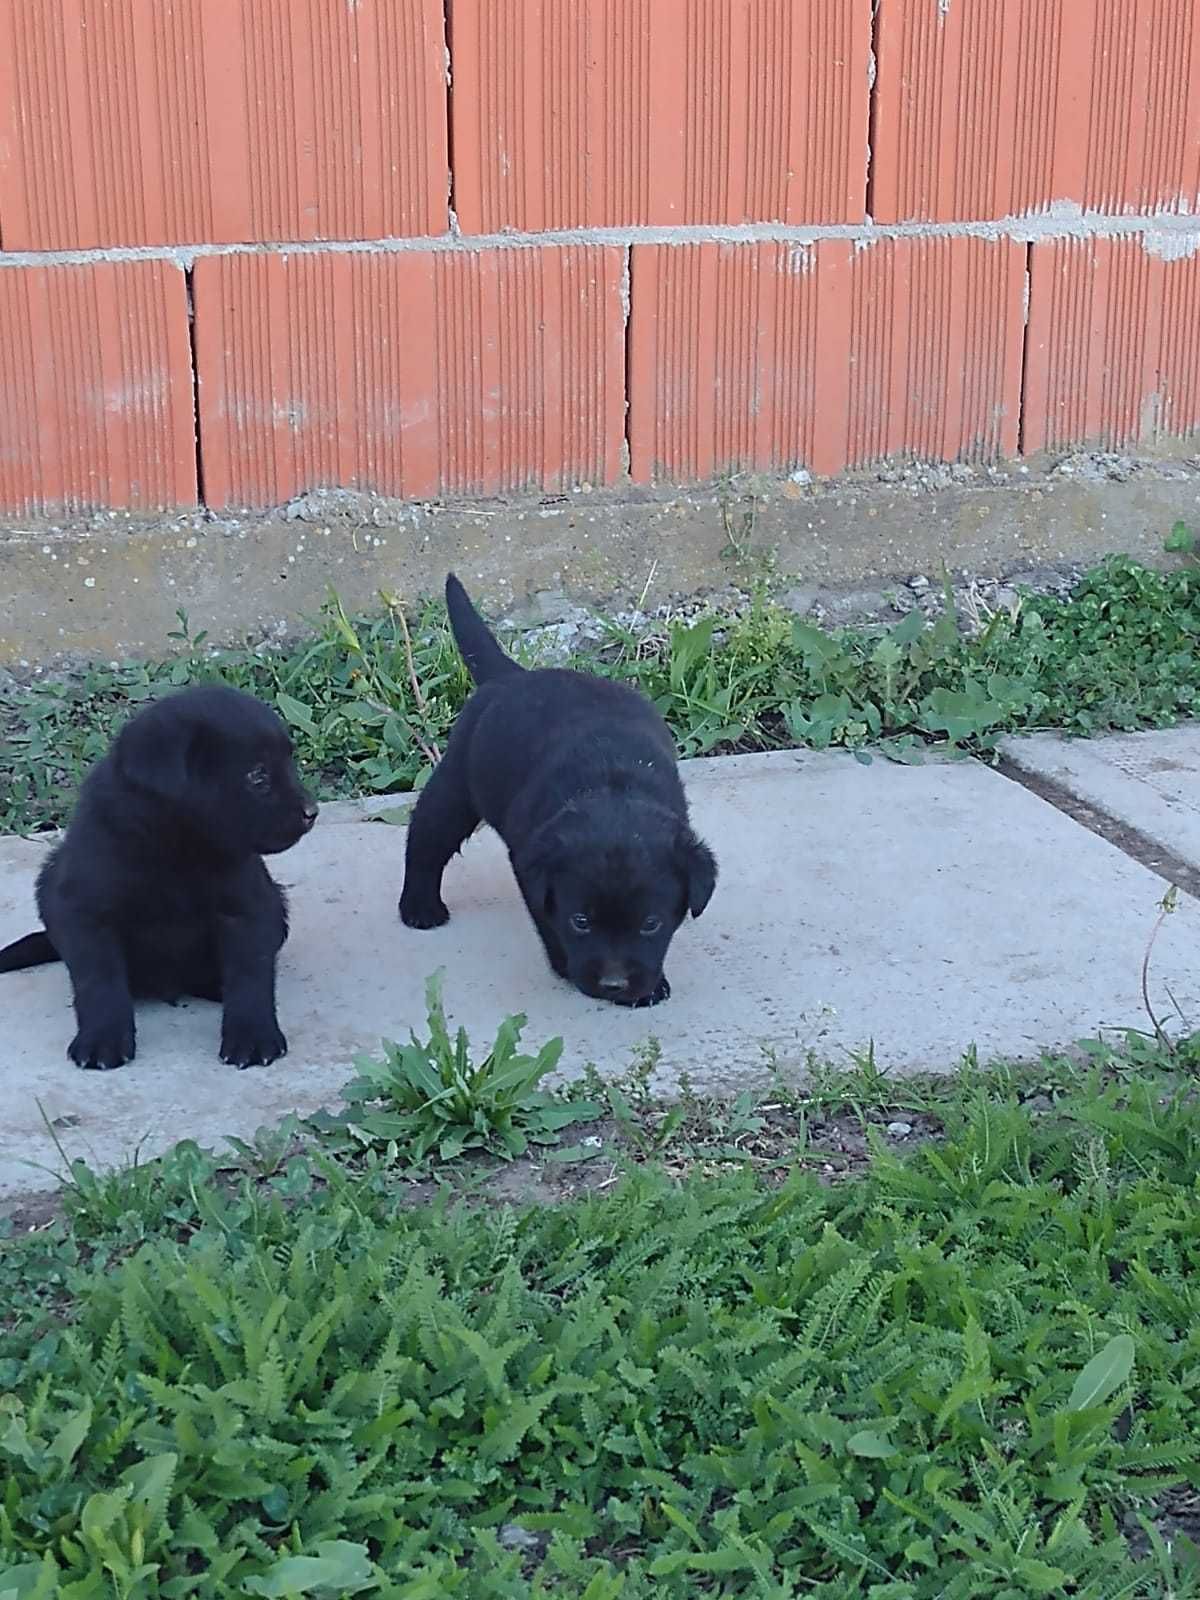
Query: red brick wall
x=253, y=247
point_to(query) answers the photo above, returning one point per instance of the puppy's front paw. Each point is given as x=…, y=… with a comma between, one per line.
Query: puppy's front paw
x=251, y=1043
x=102, y=1047
x=660, y=992
x=422, y=913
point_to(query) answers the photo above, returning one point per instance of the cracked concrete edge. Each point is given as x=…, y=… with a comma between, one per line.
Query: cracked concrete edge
x=1067, y=774
x=394, y=809
x=1072, y=775
x=110, y=585
x=696, y=771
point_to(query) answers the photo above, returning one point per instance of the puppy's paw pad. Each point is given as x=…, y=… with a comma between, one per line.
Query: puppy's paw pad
x=252, y=1045
x=423, y=914
x=661, y=992
x=103, y=1049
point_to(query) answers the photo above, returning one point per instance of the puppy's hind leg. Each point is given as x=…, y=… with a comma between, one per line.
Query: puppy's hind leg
x=443, y=819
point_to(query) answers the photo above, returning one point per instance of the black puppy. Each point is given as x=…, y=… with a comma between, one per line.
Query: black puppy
x=578, y=777
x=159, y=889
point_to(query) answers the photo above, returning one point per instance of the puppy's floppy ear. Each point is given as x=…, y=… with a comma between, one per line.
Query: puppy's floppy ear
x=153, y=752
x=699, y=870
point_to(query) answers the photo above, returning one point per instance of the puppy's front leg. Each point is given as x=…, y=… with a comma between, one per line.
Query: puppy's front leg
x=660, y=992
x=248, y=944
x=442, y=820
x=95, y=960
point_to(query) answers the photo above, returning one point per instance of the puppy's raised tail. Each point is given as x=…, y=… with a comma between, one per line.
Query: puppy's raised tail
x=34, y=950
x=484, y=657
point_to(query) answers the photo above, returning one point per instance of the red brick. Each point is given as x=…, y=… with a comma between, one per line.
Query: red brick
x=1177, y=407
x=990, y=109
x=624, y=112
x=411, y=373
x=769, y=357
x=138, y=122
x=1114, y=347
x=95, y=388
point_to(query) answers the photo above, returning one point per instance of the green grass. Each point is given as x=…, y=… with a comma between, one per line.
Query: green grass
x=370, y=700
x=968, y=1374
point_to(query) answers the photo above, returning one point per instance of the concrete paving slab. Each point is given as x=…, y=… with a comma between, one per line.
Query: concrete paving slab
x=927, y=908
x=1149, y=782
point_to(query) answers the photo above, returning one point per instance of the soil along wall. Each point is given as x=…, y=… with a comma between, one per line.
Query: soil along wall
x=255, y=248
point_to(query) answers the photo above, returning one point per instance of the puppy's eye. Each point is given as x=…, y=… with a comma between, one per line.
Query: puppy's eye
x=651, y=924
x=259, y=779
x=581, y=922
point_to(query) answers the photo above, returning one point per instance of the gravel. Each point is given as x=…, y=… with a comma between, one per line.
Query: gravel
x=552, y=628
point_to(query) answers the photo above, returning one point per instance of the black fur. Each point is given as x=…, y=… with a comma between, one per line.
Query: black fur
x=578, y=777
x=159, y=889
x=34, y=950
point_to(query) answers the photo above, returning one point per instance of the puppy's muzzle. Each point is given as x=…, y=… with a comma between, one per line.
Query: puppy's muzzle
x=309, y=815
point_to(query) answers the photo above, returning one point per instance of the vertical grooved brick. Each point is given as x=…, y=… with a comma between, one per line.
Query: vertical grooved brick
x=95, y=388
x=1178, y=409
x=603, y=113
x=1114, y=353
x=997, y=109
x=413, y=374
x=766, y=357
x=143, y=122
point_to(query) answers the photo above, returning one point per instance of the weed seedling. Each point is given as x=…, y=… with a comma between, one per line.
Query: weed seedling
x=428, y=1097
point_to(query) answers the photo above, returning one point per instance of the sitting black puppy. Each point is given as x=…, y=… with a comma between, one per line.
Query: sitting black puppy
x=578, y=777
x=159, y=889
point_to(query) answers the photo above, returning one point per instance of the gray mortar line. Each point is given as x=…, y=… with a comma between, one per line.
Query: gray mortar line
x=1167, y=235
x=1131, y=842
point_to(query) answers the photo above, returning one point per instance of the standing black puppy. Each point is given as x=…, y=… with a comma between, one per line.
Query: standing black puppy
x=578, y=777
x=159, y=889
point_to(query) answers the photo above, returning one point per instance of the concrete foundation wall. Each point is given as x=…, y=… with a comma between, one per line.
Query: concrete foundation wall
x=468, y=248
x=110, y=584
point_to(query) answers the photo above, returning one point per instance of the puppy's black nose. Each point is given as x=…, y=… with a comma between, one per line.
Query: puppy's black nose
x=310, y=814
x=614, y=981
